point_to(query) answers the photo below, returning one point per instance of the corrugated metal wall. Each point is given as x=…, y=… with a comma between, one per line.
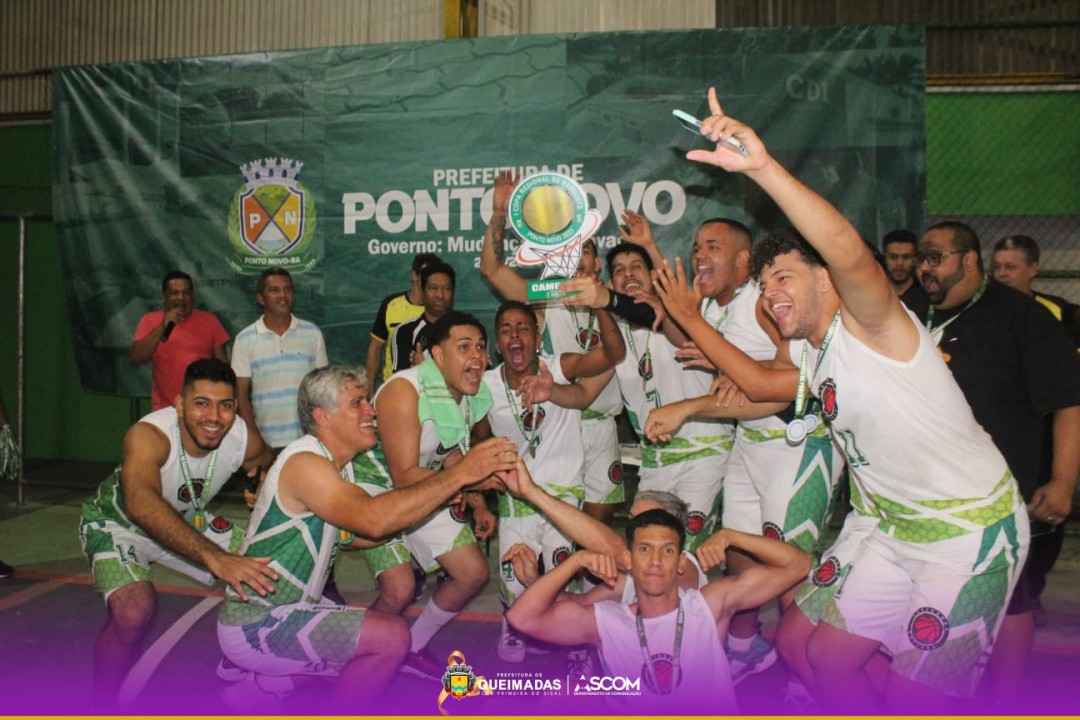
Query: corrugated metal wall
x=41, y=34
x=530, y=17
x=966, y=38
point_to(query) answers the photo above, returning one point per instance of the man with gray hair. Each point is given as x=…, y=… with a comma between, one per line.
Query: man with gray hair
x=307, y=506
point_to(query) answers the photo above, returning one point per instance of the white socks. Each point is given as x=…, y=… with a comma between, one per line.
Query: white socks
x=431, y=620
x=738, y=644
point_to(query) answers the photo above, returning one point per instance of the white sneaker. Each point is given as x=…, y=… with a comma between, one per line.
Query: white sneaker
x=760, y=657
x=229, y=671
x=247, y=697
x=511, y=646
x=798, y=699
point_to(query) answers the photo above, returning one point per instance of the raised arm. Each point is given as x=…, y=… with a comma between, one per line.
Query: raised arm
x=865, y=292
x=682, y=303
x=599, y=360
x=781, y=567
x=537, y=613
x=581, y=529
x=507, y=283
x=637, y=231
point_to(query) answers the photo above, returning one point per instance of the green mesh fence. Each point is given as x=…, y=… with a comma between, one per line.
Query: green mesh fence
x=1005, y=160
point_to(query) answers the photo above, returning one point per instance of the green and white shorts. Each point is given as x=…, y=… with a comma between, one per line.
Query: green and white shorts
x=934, y=607
x=780, y=491
x=698, y=483
x=295, y=639
x=603, y=462
x=392, y=552
x=445, y=530
x=119, y=556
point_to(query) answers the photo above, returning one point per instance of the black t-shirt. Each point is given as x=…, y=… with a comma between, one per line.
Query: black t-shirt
x=1064, y=311
x=403, y=340
x=1015, y=364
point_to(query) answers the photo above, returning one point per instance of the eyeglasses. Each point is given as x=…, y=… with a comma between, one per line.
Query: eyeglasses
x=934, y=257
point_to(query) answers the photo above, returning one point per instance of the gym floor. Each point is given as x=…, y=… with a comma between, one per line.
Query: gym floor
x=51, y=614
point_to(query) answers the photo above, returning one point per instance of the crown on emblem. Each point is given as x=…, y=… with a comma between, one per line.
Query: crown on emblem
x=271, y=171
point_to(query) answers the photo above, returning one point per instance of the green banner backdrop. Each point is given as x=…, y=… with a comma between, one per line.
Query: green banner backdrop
x=342, y=163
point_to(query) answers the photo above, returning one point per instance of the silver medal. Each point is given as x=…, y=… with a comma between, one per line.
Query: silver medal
x=796, y=431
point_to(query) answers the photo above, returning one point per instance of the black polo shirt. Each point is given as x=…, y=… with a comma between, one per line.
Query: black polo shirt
x=1015, y=364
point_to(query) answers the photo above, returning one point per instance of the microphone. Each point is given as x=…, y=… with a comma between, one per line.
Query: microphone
x=168, y=331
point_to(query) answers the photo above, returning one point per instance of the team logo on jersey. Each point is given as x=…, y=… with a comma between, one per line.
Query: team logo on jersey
x=772, y=530
x=272, y=218
x=588, y=339
x=184, y=494
x=614, y=473
x=457, y=512
x=928, y=629
x=644, y=367
x=560, y=556
x=532, y=421
x=220, y=525
x=828, y=572
x=695, y=523
x=667, y=676
x=827, y=391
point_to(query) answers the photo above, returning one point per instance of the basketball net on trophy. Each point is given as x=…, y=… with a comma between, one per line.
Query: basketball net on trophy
x=550, y=213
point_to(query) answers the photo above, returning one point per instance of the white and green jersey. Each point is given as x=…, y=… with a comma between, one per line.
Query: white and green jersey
x=650, y=376
x=737, y=322
x=302, y=546
x=555, y=431
x=918, y=459
x=432, y=453
x=568, y=329
x=371, y=471
x=108, y=503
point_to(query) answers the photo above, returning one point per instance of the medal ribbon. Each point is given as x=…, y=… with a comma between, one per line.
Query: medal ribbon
x=645, y=361
x=937, y=332
x=529, y=437
x=676, y=651
x=804, y=366
x=578, y=328
x=727, y=307
x=198, y=520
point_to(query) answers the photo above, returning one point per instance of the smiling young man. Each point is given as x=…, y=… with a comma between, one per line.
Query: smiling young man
x=308, y=500
x=930, y=556
x=773, y=484
x=426, y=416
x=692, y=463
x=153, y=510
x=271, y=356
x=173, y=338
